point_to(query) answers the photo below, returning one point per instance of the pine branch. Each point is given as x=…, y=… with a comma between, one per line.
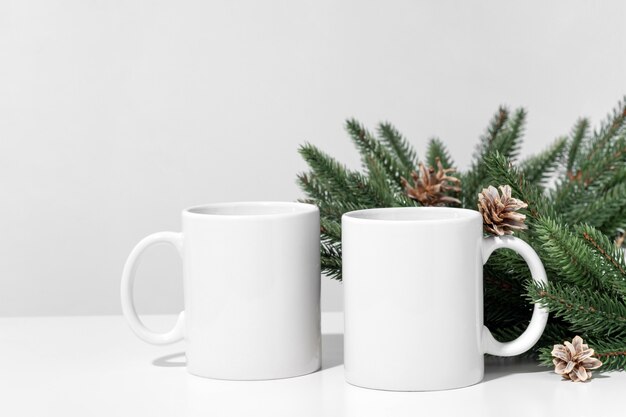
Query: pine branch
x=330, y=257
x=496, y=125
x=609, y=258
x=380, y=183
x=508, y=143
x=573, y=258
x=504, y=296
x=605, y=148
x=554, y=332
x=399, y=147
x=538, y=169
x=599, y=209
x=611, y=128
x=312, y=187
x=328, y=174
x=369, y=147
x=475, y=178
x=503, y=137
x=331, y=230
x=591, y=160
x=587, y=311
x=599, y=203
x=611, y=352
x=436, y=149
x=578, y=134
x=333, y=210
x=609, y=179
x=508, y=263
x=340, y=183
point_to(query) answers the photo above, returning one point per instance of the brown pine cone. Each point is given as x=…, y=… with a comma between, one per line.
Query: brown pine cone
x=500, y=216
x=430, y=187
x=574, y=361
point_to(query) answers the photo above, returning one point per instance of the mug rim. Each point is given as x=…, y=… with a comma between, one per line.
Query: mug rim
x=284, y=209
x=368, y=215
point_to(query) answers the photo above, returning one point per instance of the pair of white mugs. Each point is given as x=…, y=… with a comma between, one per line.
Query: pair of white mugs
x=413, y=293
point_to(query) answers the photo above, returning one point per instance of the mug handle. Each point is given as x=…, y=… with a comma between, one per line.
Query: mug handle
x=540, y=314
x=128, y=278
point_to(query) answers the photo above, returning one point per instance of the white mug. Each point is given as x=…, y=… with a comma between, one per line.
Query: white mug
x=413, y=295
x=251, y=275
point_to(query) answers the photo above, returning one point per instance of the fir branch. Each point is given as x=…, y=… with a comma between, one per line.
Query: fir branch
x=436, y=149
x=340, y=183
x=608, y=130
x=504, y=296
x=331, y=230
x=599, y=208
x=399, y=147
x=599, y=203
x=312, y=187
x=380, y=183
x=605, y=148
x=587, y=311
x=545, y=354
x=612, y=353
x=579, y=132
x=609, y=258
x=592, y=159
x=496, y=124
x=503, y=137
x=602, y=244
x=330, y=257
x=506, y=262
x=508, y=143
x=554, y=332
x=328, y=173
x=370, y=147
x=540, y=168
x=475, y=178
x=610, y=179
x=573, y=260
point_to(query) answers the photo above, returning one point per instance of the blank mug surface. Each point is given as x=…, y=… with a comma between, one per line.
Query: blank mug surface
x=252, y=291
x=413, y=292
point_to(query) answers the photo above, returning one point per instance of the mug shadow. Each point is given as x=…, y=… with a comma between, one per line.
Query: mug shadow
x=332, y=354
x=497, y=367
x=173, y=360
x=332, y=350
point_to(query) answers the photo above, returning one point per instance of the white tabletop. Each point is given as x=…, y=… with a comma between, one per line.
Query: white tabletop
x=95, y=366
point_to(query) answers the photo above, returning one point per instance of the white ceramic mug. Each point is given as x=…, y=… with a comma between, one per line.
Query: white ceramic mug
x=413, y=288
x=252, y=290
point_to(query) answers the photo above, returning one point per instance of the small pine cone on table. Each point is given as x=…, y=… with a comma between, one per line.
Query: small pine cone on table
x=500, y=216
x=574, y=361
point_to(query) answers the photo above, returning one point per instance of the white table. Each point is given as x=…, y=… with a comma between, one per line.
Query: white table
x=95, y=366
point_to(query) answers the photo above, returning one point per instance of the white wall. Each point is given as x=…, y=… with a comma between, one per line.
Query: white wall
x=115, y=115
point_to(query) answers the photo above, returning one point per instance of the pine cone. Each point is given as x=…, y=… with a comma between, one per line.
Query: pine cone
x=500, y=216
x=574, y=360
x=430, y=187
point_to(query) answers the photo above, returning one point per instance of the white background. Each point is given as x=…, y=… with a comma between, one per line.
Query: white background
x=115, y=115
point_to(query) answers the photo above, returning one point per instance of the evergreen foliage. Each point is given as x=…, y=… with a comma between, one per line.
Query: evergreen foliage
x=539, y=169
x=436, y=149
x=576, y=195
